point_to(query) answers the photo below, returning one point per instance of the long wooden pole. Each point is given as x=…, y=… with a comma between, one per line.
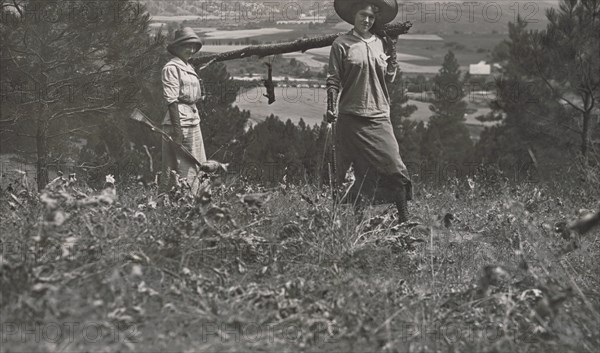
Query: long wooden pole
x=302, y=45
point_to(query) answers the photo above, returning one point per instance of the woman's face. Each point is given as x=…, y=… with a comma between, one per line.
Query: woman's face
x=185, y=51
x=364, y=19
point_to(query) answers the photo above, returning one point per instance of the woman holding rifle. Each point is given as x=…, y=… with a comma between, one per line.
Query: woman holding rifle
x=182, y=89
x=361, y=63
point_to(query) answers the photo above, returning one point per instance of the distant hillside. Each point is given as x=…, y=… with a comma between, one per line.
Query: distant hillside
x=428, y=16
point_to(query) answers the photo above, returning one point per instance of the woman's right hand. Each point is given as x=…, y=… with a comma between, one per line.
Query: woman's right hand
x=332, y=109
x=389, y=46
x=331, y=116
x=177, y=135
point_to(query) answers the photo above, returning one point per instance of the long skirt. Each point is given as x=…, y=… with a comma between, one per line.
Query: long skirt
x=174, y=160
x=370, y=146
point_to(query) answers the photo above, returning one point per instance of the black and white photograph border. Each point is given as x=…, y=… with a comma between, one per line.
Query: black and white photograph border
x=299, y=176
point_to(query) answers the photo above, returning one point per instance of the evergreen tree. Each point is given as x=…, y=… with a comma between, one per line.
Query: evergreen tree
x=549, y=88
x=446, y=140
x=404, y=129
x=222, y=125
x=567, y=61
x=273, y=149
x=530, y=118
x=70, y=65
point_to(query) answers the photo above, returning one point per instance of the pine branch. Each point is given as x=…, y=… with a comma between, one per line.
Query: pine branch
x=25, y=72
x=72, y=131
x=557, y=94
x=18, y=8
x=79, y=110
x=302, y=45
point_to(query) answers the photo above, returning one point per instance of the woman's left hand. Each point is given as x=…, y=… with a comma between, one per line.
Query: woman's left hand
x=202, y=90
x=389, y=46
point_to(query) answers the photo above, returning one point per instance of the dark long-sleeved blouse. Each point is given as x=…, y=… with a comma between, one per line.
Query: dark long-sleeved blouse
x=358, y=69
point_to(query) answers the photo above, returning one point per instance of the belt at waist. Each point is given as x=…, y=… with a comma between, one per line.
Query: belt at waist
x=191, y=104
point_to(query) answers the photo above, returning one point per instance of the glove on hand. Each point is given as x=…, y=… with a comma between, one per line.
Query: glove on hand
x=332, y=110
x=390, y=50
x=177, y=134
x=202, y=90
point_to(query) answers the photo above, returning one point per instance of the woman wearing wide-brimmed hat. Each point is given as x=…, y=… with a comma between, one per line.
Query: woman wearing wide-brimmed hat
x=182, y=89
x=361, y=63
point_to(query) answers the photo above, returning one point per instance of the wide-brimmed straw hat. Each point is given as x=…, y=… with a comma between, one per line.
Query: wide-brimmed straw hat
x=184, y=35
x=388, y=9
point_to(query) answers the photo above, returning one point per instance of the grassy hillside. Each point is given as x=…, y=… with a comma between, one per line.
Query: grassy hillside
x=126, y=269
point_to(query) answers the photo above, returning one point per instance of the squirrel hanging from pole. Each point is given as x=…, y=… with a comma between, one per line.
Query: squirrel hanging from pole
x=269, y=85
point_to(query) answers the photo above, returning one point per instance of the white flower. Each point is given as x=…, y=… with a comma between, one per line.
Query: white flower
x=471, y=183
x=110, y=179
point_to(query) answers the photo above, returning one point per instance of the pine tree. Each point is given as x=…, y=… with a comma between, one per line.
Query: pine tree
x=446, y=140
x=70, y=65
x=222, y=125
x=529, y=115
x=404, y=129
x=272, y=149
x=549, y=89
x=567, y=61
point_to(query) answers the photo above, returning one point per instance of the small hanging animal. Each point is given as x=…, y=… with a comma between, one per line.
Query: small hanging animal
x=269, y=85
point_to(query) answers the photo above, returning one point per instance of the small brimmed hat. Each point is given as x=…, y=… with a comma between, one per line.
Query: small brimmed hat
x=184, y=35
x=388, y=9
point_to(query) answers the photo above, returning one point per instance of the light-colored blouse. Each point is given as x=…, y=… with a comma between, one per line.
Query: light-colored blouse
x=181, y=84
x=358, y=69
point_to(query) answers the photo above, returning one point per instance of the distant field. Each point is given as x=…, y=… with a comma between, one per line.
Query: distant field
x=297, y=103
x=203, y=30
x=422, y=113
x=176, y=18
x=468, y=48
x=315, y=62
x=409, y=36
x=245, y=33
x=293, y=32
x=293, y=103
x=418, y=69
x=220, y=48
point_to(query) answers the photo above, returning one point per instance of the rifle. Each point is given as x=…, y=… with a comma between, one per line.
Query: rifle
x=139, y=116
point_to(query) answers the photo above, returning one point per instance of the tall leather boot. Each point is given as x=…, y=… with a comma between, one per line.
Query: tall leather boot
x=402, y=206
x=359, y=209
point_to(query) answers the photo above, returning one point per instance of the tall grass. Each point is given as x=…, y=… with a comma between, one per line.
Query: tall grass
x=126, y=268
